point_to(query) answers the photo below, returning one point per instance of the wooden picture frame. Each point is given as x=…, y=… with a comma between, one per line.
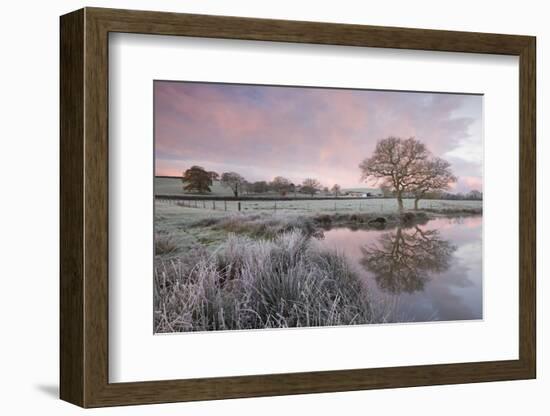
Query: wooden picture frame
x=84, y=207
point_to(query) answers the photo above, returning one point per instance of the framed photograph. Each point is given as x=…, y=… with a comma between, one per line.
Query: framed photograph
x=255, y=207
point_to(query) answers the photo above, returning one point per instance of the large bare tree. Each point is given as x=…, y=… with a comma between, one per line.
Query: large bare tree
x=434, y=177
x=403, y=166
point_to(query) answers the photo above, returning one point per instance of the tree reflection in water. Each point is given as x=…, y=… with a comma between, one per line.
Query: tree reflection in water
x=401, y=260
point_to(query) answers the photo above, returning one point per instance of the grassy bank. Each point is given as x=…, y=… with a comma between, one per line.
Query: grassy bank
x=252, y=284
x=264, y=225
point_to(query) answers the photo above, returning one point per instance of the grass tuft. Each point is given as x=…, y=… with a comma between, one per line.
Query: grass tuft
x=287, y=281
x=164, y=244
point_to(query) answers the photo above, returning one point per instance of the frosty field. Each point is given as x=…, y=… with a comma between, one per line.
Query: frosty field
x=264, y=267
x=314, y=205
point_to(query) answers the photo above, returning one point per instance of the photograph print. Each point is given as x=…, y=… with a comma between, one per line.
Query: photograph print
x=295, y=206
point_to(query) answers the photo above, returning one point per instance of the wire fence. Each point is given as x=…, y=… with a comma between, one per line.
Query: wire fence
x=335, y=205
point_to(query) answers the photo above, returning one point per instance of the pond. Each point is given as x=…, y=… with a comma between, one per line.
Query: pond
x=429, y=272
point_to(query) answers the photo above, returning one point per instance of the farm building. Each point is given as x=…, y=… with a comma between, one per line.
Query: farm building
x=363, y=192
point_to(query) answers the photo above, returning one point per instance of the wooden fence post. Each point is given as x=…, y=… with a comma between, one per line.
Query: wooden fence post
x=239, y=205
x=225, y=205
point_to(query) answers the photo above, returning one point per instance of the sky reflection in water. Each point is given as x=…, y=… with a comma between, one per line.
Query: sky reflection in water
x=430, y=272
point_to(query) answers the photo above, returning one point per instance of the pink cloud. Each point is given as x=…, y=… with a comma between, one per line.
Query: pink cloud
x=297, y=132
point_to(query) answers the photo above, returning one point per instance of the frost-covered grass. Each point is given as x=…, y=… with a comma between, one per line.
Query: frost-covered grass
x=164, y=244
x=261, y=225
x=173, y=186
x=364, y=205
x=250, y=284
x=220, y=270
x=189, y=228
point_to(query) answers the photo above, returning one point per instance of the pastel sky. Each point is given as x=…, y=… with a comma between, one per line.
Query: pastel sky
x=265, y=131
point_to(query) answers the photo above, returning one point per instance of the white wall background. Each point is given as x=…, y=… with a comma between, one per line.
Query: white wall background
x=29, y=235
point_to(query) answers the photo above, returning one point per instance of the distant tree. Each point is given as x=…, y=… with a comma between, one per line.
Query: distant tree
x=234, y=181
x=434, y=176
x=475, y=194
x=246, y=187
x=196, y=179
x=292, y=188
x=336, y=190
x=325, y=190
x=405, y=166
x=435, y=195
x=259, y=187
x=214, y=175
x=311, y=186
x=386, y=191
x=281, y=185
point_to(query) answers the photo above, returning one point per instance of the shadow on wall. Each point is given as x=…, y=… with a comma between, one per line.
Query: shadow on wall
x=51, y=390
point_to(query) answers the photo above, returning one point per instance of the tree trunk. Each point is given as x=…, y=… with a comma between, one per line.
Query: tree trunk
x=416, y=203
x=400, y=202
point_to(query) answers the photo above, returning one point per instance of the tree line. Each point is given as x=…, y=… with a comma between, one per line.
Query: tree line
x=402, y=168
x=198, y=179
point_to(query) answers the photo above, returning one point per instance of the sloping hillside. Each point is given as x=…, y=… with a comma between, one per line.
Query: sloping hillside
x=174, y=186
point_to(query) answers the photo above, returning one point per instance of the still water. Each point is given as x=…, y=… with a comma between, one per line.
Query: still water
x=429, y=272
